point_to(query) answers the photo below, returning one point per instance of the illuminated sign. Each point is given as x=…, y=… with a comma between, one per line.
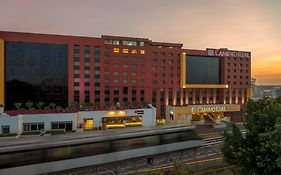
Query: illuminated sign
x=228, y=53
x=202, y=109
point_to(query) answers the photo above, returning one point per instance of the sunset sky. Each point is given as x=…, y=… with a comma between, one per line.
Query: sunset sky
x=251, y=25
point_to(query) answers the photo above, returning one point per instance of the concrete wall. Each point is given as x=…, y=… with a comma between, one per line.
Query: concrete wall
x=148, y=117
x=95, y=115
x=13, y=122
x=16, y=122
x=48, y=118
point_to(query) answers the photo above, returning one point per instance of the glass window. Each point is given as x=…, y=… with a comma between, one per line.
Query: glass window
x=116, y=50
x=33, y=127
x=134, y=51
x=61, y=125
x=142, y=43
x=5, y=129
x=39, y=70
x=129, y=43
x=125, y=50
x=115, y=42
x=202, y=70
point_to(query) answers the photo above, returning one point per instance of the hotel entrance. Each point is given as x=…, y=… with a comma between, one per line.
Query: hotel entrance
x=121, y=122
x=200, y=114
x=210, y=117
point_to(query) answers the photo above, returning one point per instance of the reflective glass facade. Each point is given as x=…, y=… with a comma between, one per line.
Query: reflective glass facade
x=35, y=72
x=202, y=70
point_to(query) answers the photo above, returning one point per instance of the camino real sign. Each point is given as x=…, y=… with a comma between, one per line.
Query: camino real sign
x=202, y=109
x=228, y=53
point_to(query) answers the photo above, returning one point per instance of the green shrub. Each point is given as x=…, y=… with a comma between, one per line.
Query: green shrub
x=8, y=135
x=56, y=131
x=31, y=132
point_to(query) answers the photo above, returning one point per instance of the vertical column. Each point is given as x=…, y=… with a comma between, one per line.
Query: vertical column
x=193, y=96
x=2, y=67
x=207, y=95
x=181, y=96
x=214, y=96
x=120, y=90
x=166, y=97
x=186, y=96
x=158, y=103
x=129, y=94
x=148, y=95
x=236, y=95
x=243, y=96
x=82, y=75
x=111, y=96
x=200, y=96
x=138, y=94
x=174, y=96
x=230, y=95
x=223, y=96
x=92, y=75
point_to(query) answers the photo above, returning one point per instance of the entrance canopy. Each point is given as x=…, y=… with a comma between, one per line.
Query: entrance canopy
x=193, y=109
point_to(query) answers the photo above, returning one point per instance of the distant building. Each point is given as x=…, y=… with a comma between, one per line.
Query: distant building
x=259, y=91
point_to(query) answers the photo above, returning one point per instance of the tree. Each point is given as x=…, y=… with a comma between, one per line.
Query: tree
x=29, y=105
x=40, y=104
x=73, y=105
x=259, y=150
x=52, y=105
x=85, y=105
x=18, y=105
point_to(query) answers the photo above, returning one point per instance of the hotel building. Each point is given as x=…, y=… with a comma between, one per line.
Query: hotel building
x=180, y=83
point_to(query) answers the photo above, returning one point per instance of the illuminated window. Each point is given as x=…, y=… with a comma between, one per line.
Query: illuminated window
x=141, y=43
x=142, y=52
x=125, y=51
x=88, y=123
x=116, y=50
x=134, y=51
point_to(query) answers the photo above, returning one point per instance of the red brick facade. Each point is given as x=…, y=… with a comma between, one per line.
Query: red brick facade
x=144, y=71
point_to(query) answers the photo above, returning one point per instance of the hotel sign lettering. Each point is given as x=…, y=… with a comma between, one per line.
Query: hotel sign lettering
x=202, y=109
x=228, y=53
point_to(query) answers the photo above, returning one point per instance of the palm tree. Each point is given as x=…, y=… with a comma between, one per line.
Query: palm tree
x=29, y=104
x=73, y=105
x=52, y=105
x=84, y=105
x=40, y=104
x=18, y=105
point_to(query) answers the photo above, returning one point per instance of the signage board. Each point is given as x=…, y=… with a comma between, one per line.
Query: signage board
x=228, y=53
x=202, y=109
